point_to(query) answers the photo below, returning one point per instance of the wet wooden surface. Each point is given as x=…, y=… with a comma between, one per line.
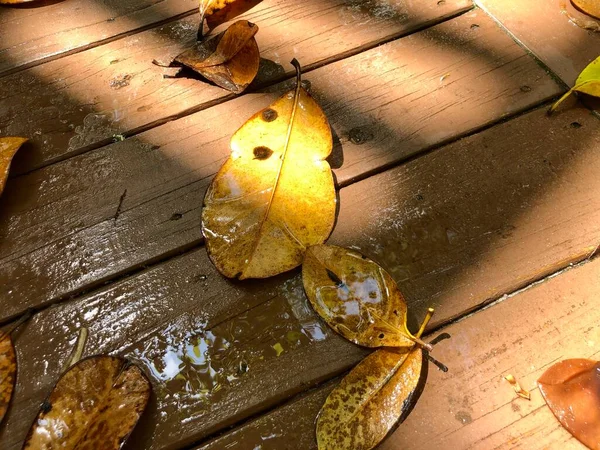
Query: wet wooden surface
x=107, y=235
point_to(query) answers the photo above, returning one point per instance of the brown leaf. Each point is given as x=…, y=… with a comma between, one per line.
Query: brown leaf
x=217, y=12
x=8, y=149
x=230, y=59
x=274, y=197
x=8, y=371
x=371, y=400
x=356, y=297
x=590, y=7
x=571, y=389
x=95, y=404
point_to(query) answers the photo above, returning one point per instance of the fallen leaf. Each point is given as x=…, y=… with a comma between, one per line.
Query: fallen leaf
x=590, y=7
x=230, y=59
x=571, y=389
x=8, y=149
x=95, y=404
x=372, y=399
x=588, y=82
x=274, y=197
x=217, y=12
x=356, y=297
x=517, y=387
x=8, y=371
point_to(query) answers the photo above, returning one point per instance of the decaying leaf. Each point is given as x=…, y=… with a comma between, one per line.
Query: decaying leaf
x=8, y=372
x=517, y=387
x=590, y=7
x=217, y=12
x=230, y=59
x=571, y=389
x=356, y=297
x=588, y=82
x=373, y=398
x=275, y=196
x=8, y=149
x=95, y=404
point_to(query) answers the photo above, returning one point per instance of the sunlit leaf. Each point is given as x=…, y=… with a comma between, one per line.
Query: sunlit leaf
x=217, y=12
x=230, y=59
x=8, y=372
x=8, y=148
x=356, y=297
x=588, y=82
x=571, y=389
x=274, y=197
x=523, y=393
x=590, y=7
x=95, y=404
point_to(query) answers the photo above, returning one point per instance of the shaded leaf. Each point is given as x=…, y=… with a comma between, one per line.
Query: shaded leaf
x=217, y=12
x=8, y=148
x=356, y=297
x=230, y=59
x=274, y=197
x=368, y=403
x=588, y=82
x=571, y=389
x=590, y=7
x=95, y=404
x=8, y=372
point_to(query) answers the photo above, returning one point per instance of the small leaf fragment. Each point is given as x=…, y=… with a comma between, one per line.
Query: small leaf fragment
x=517, y=387
x=8, y=371
x=95, y=404
x=588, y=82
x=8, y=148
x=356, y=297
x=275, y=196
x=590, y=7
x=217, y=12
x=571, y=388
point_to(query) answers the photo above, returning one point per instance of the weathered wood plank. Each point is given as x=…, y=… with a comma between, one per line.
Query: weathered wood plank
x=30, y=34
x=77, y=102
x=472, y=406
x=60, y=227
x=553, y=30
x=456, y=228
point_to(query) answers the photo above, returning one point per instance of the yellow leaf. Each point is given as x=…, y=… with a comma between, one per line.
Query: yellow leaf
x=8, y=148
x=590, y=7
x=356, y=297
x=217, y=12
x=95, y=404
x=274, y=197
x=588, y=82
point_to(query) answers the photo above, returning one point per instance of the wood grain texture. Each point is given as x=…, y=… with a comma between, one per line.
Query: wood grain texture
x=562, y=37
x=80, y=101
x=473, y=406
x=456, y=228
x=31, y=33
x=78, y=223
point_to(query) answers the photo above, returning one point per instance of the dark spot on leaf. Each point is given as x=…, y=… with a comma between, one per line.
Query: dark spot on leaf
x=525, y=88
x=381, y=336
x=46, y=407
x=269, y=115
x=262, y=152
x=176, y=216
x=360, y=135
x=372, y=294
x=575, y=125
x=396, y=312
x=333, y=277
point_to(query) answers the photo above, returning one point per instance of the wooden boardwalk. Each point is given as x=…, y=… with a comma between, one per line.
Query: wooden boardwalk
x=474, y=200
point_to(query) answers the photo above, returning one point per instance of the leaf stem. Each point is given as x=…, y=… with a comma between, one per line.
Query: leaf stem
x=78, y=351
x=556, y=104
x=426, y=320
x=25, y=317
x=407, y=333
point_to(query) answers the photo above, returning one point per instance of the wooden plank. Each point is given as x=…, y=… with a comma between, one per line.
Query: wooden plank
x=456, y=228
x=565, y=39
x=60, y=226
x=28, y=35
x=472, y=406
x=81, y=101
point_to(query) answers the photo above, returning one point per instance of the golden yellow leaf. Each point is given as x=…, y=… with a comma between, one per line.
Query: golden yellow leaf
x=95, y=404
x=356, y=297
x=517, y=387
x=8, y=149
x=230, y=59
x=8, y=371
x=217, y=12
x=588, y=82
x=590, y=7
x=274, y=197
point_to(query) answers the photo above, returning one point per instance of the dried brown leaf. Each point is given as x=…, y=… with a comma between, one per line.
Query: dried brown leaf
x=217, y=12
x=571, y=389
x=275, y=196
x=8, y=371
x=590, y=7
x=95, y=404
x=8, y=148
